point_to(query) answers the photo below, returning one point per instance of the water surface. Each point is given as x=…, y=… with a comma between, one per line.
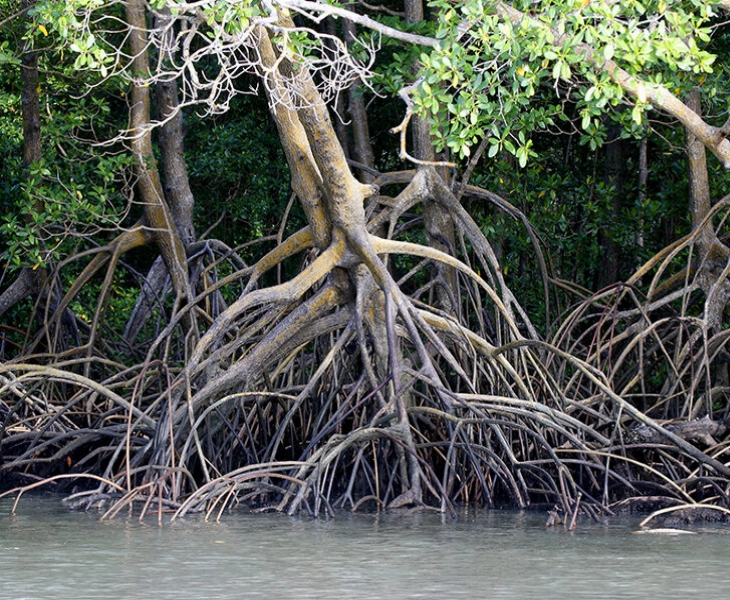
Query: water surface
x=50, y=553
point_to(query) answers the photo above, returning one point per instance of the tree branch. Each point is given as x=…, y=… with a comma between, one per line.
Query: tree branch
x=658, y=96
x=327, y=10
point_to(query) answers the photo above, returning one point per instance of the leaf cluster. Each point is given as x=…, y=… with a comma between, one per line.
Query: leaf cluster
x=498, y=78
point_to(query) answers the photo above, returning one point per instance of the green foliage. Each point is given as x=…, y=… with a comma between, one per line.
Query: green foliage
x=566, y=200
x=394, y=62
x=52, y=209
x=76, y=189
x=64, y=25
x=7, y=56
x=504, y=80
x=237, y=167
x=231, y=18
x=65, y=17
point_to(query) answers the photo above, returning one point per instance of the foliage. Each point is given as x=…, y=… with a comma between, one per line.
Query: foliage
x=502, y=79
x=76, y=189
x=237, y=169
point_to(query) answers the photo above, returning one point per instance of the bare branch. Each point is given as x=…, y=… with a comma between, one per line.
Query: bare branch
x=325, y=10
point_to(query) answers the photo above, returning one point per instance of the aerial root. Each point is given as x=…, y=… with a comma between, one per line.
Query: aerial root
x=344, y=388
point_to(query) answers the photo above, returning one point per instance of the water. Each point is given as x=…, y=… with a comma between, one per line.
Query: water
x=48, y=552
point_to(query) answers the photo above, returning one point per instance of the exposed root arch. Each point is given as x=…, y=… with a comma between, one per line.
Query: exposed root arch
x=33, y=371
x=291, y=332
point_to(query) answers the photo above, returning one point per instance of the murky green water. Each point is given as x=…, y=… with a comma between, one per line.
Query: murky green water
x=48, y=552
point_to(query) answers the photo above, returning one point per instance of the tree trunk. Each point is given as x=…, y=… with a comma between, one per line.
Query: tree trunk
x=362, y=149
x=177, y=191
x=614, y=176
x=700, y=203
x=438, y=223
x=176, y=185
x=30, y=100
x=30, y=281
x=149, y=186
x=712, y=255
x=349, y=271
